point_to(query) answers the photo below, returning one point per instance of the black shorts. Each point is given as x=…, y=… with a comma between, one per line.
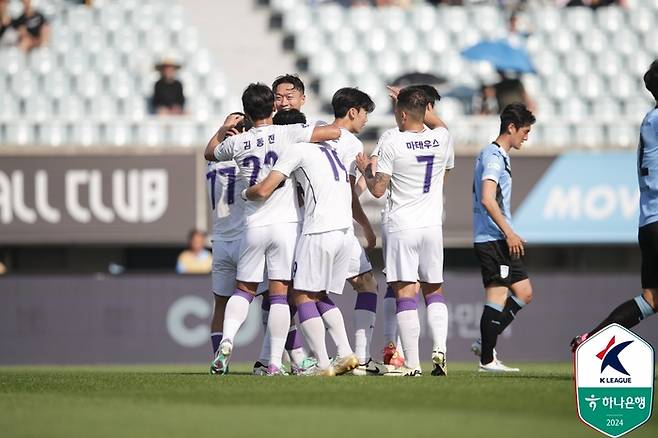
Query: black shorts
x=648, y=238
x=498, y=267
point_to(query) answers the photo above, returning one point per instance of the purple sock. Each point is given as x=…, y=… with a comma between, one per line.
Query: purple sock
x=307, y=311
x=246, y=295
x=278, y=299
x=389, y=292
x=435, y=297
x=294, y=340
x=366, y=301
x=215, y=338
x=325, y=304
x=404, y=304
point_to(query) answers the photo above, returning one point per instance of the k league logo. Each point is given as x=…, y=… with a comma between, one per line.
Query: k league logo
x=614, y=380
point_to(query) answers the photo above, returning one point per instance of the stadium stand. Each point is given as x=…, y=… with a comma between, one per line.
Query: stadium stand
x=91, y=86
x=589, y=63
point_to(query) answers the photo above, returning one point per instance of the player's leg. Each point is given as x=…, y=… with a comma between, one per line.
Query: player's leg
x=278, y=323
x=631, y=312
x=313, y=329
x=365, y=308
x=495, y=297
x=299, y=356
x=217, y=322
x=521, y=293
x=430, y=273
x=260, y=366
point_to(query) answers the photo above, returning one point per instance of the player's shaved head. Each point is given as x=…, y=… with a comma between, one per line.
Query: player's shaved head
x=413, y=101
x=651, y=79
x=289, y=117
x=258, y=101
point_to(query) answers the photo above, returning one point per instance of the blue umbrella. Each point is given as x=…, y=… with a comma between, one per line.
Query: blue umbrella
x=501, y=55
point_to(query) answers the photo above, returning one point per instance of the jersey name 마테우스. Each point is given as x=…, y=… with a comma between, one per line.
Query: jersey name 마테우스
x=325, y=181
x=417, y=162
x=255, y=152
x=224, y=196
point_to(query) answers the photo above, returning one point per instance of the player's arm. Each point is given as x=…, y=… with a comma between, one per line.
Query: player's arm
x=360, y=216
x=488, y=201
x=377, y=183
x=265, y=188
x=325, y=133
x=432, y=120
x=229, y=124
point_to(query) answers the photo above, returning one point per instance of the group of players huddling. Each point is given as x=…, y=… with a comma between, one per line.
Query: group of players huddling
x=285, y=194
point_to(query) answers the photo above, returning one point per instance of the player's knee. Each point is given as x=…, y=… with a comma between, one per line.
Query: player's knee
x=365, y=282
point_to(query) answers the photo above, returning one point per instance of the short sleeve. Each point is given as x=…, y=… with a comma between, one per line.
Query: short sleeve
x=493, y=167
x=386, y=157
x=289, y=160
x=224, y=151
x=450, y=152
x=299, y=133
x=355, y=149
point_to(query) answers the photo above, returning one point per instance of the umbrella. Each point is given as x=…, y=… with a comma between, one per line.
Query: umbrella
x=417, y=78
x=501, y=55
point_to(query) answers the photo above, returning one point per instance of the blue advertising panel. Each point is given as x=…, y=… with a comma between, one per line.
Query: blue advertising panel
x=583, y=198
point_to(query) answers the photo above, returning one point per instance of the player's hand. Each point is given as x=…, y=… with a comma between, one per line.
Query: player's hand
x=393, y=91
x=371, y=238
x=362, y=162
x=232, y=120
x=515, y=244
x=231, y=132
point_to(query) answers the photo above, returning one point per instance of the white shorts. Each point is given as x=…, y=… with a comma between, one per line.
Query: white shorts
x=415, y=255
x=225, y=257
x=359, y=262
x=322, y=261
x=274, y=244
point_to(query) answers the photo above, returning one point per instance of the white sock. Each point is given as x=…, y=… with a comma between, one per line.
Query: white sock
x=235, y=314
x=437, y=321
x=314, y=333
x=335, y=323
x=297, y=356
x=365, y=325
x=390, y=321
x=409, y=328
x=278, y=324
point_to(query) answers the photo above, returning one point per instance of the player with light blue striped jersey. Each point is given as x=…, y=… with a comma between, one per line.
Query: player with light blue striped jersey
x=631, y=312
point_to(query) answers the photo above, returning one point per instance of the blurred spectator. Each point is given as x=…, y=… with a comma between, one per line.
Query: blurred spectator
x=196, y=259
x=5, y=18
x=487, y=103
x=32, y=27
x=511, y=90
x=168, y=97
x=515, y=37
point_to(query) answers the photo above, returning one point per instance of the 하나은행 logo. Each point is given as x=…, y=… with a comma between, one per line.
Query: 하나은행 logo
x=614, y=375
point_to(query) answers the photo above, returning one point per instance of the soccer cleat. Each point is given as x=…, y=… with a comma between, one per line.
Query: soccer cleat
x=497, y=366
x=370, y=368
x=315, y=371
x=219, y=365
x=273, y=370
x=439, y=361
x=575, y=342
x=405, y=371
x=344, y=364
x=260, y=369
x=307, y=364
x=476, y=348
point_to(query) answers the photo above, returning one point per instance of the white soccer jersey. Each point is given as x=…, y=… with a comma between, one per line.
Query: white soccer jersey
x=348, y=147
x=255, y=152
x=225, y=201
x=324, y=179
x=417, y=163
x=382, y=139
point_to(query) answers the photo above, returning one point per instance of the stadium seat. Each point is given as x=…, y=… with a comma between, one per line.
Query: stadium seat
x=117, y=133
x=88, y=84
x=392, y=18
x=149, y=133
x=134, y=108
x=71, y=108
x=589, y=134
x=103, y=108
x=356, y=63
x=595, y=42
x=623, y=135
x=331, y=18
x=38, y=108
x=389, y=64
x=309, y=41
x=574, y=108
x=56, y=84
x=557, y=134
x=9, y=107
x=450, y=108
x=611, y=20
x=42, y=60
x=423, y=18
x=53, y=133
x=421, y=61
x=110, y=18
x=19, y=133
x=183, y=133
x=606, y=108
x=13, y=60
x=76, y=61
x=578, y=63
x=579, y=20
x=84, y=133
x=344, y=41
x=590, y=87
x=24, y=84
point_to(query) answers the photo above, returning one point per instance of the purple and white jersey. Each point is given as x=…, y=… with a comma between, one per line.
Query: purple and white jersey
x=325, y=181
x=416, y=162
x=225, y=201
x=348, y=147
x=255, y=152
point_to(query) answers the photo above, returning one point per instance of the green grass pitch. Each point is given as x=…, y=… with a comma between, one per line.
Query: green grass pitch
x=185, y=401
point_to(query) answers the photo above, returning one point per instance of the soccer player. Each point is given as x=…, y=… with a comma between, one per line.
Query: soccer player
x=322, y=256
x=412, y=164
x=631, y=312
x=391, y=353
x=288, y=92
x=351, y=108
x=271, y=227
x=228, y=224
x=498, y=248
